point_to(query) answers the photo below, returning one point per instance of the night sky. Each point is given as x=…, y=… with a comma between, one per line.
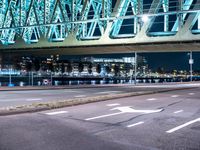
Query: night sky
x=172, y=60
x=168, y=61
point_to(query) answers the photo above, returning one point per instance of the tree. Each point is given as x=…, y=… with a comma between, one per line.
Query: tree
x=36, y=64
x=98, y=68
x=107, y=69
x=69, y=68
x=116, y=70
x=62, y=68
x=44, y=66
x=17, y=63
x=80, y=67
x=50, y=66
x=90, y=68
x=160, y=70
x=29, y=65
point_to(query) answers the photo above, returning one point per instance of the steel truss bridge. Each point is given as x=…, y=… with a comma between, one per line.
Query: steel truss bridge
x=99, y=26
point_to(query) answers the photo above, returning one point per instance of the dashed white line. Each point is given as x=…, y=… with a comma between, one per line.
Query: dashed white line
x=175, y=96
x=115, y=104
x=34, y=99
x=135, y=124
x=56, y=113
x=191, y=93
x=179, y=111
x=79, y=96
x=108, y=92
x=151, y=99
x=183, y=125
x=108, y=115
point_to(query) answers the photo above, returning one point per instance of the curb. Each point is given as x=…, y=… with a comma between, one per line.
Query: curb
x=35, y=107
x=50, y=88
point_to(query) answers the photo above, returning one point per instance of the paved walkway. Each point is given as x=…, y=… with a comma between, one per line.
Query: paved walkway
x=162, y=85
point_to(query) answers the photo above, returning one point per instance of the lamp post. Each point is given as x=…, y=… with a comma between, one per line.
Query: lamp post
x=135, y=68
x=191, y=61
x=10, y=77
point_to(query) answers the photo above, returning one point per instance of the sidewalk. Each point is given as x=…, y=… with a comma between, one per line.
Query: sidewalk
x=161, y=85
x=21, y=88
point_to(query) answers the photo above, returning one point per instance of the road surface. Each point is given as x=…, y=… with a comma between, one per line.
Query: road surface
x=163, y=121
x=24, y=97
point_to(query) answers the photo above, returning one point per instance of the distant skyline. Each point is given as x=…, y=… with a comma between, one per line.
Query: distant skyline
x=168, y=60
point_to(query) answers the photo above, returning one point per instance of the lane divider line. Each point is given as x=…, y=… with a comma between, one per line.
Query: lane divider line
x=151, y=99
x=175, y=96
x=34, y=99
x=108, y=115
x=115, y=104
x=135, y=124
x=108, y=92
x=80, y=96
x=179, y=111
x=183, y=125
x=56, y=113
x=191, y=93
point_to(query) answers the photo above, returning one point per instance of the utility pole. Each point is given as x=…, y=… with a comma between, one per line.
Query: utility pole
x=32, y=82
x=10, y=77
x=191, y=61
x=135, y=68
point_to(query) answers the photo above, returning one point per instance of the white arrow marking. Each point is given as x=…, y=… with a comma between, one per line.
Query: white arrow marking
x=128, y=109
x=183, y=125
x=125, y=109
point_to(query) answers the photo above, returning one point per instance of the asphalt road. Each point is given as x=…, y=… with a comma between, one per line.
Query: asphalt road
x=23, y=97
x=164, y=121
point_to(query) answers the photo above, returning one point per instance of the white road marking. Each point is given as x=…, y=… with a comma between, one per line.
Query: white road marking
x=175, y=96
x=135, y=124
x=128, y=109
x=78, y=96
x=183, y=125
x=34, y=99
x=125, y=109
x=191, y=93
x=151, y=99
x=179, y=111
x=103, y=116
x=56, y=113
x=108, y=92
x=115, y=104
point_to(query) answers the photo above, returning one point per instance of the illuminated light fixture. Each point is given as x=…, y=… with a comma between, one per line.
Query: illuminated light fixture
x=145, y=18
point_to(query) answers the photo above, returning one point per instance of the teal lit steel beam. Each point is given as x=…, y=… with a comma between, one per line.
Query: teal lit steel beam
x=184, y=6
x=55, y=20
x=136, y=6
x=166, y=17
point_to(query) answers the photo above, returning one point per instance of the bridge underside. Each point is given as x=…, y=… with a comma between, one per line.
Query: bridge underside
x=99, y=26
x=109, y=49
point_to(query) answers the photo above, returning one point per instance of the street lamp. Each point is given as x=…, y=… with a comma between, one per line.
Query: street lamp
x=145, y=18
x=191, y=61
